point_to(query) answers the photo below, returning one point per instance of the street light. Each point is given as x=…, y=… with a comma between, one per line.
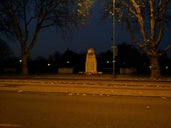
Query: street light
x=114, y=47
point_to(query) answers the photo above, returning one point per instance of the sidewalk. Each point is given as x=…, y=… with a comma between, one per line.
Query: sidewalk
x=84, y=85
x=84, y=77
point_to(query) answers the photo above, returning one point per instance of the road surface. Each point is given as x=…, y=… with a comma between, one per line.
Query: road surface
x=63, y=110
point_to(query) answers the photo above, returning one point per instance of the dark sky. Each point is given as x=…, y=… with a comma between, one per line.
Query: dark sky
x=95, y=34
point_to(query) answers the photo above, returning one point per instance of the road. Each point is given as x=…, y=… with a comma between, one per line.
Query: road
x=62, y=110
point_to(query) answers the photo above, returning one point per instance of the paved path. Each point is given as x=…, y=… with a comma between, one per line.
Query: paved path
x=88, y=85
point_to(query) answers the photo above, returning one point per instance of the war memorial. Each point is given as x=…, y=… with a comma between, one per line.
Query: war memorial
x=91, y=62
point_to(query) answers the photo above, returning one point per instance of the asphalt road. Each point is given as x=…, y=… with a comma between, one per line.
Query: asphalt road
x=62, y=110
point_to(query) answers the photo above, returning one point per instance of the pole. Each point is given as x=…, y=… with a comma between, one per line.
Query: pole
x=113, y=41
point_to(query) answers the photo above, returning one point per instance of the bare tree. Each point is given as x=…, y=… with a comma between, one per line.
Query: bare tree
x=24, y=19
x=146, y=21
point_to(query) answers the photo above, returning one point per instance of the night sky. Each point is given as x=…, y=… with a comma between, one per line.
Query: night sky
x=95, y=34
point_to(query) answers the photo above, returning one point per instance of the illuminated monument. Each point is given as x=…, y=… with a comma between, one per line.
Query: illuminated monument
x=91, y=63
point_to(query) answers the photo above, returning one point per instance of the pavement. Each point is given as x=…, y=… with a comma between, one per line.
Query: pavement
x=88, y=85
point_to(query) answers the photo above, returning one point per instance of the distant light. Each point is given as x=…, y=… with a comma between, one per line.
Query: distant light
x=107, y=62
x=49, y=64
x=68, y=62
x=20, y=60
x=167, y=67
x=150, y=66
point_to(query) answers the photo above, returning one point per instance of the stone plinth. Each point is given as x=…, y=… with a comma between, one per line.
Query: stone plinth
x=65, y=70
x=91, y=63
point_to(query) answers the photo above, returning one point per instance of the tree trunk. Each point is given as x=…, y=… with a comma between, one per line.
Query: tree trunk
x=155, y=68
x=24, y=65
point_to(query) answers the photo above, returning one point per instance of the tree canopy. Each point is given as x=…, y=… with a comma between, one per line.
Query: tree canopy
x=146, y=21
x=24, y=19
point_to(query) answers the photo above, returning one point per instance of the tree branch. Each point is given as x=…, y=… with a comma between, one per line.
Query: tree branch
x=140, y=45
x=162, y=23
x=16, y=26
x=129, y=8
x=25, y=22
x=48, y=25
x=140, y=20
x=165, y=50
x=152, y=20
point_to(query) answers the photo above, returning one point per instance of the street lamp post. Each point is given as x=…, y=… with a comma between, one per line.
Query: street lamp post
x=114, y=61
x=114, y=39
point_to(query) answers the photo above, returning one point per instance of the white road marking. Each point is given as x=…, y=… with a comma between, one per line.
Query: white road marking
x=10, y=125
